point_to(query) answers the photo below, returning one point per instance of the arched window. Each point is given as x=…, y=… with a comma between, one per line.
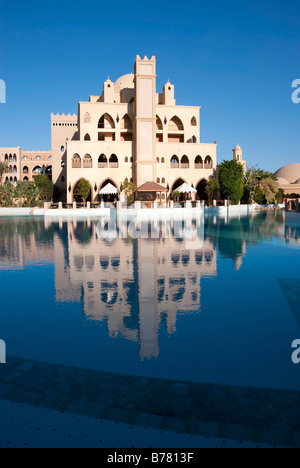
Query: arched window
x=106, y=122
x=25, y=158
x=157, y=160
x=25, y=179
x=158, y=180
x=198, y=162
x=113, y=162
x=194, y=122
x=102, y=161
x=163, y=160
x=15, y=169
x=185, y=164
x=208, y=163
x=126, y=123
x=25, y=170
x=131, y=159
x=174, y=162
x=87, y=162
x=87, y=137
x=87, y=118
x=62, y=149
x=159, y=125
x=15, y=180
x=50, y=158
x=163, y=180
x=38, y=158
x=126, y=159
x=131, y=180
x=76, y=161
x=14, y=158
x=176, y=125
x=37, y=170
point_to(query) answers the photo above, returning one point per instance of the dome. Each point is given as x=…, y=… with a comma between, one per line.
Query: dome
x=291, y=173
x=237, y=148
x=282, y=181
x=126, y=81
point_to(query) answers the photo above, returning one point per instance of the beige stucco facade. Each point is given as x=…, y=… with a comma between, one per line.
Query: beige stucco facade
x=130, y=133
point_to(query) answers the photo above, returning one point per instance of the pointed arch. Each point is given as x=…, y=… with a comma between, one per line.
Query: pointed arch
x=106, y=122
x=198, y=162
x=102, y=161
x=177, y=183
x=76, y=161
x=201, y=189
x=174, y=162
x=208, y=163
x=75, y=192
x=87, y=161
x=126, y=123
x=194, y=122
x=185, y=163
x=175, y=125
x=87, y=118
x=159, y=124
x=87, y=137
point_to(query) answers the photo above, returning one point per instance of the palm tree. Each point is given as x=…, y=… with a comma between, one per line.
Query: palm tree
x=3, y=170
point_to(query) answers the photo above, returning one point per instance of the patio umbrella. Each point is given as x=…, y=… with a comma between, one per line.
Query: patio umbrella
x=109, y=189
x=185, y=188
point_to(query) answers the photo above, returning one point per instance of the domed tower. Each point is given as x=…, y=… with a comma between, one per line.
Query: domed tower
x=238, y=156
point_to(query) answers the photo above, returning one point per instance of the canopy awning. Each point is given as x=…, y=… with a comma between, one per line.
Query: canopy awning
x=151, y=187
x=109, y=189
x=185, y=188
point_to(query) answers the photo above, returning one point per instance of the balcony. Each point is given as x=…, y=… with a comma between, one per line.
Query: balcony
x=87, y=164
x=174, y=165
x=198, y=166
x=103, y=165
x=208, y=166
x=76, y=164
x=113, y=165
x=185, y=166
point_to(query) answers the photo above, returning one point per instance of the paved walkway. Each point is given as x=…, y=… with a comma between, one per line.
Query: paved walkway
x=24, y=426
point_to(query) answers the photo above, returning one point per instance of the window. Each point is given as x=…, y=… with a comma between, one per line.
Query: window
x=87, y=118
x=62, y=149
x=87, y=137
x=38, y=158
x=25, y=158
x=50, y=158
x=194, y=122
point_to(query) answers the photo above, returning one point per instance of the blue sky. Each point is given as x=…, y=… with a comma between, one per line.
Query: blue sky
x=235, y=59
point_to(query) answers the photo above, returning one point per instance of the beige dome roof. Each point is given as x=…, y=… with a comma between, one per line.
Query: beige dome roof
x=237, y=148
x=282, y=181
x=125, y=81
x=290, y=172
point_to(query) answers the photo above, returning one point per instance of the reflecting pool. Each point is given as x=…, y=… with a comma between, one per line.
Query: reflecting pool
x=222, y=311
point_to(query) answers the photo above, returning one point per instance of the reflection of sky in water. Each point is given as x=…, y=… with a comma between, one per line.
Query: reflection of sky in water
x=225, y=311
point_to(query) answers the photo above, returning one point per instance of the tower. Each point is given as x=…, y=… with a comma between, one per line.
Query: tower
x=238, y=156
x=145, y=121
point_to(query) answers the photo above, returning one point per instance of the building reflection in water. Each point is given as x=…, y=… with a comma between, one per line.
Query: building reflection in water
x=135, y=285
x=131, y=284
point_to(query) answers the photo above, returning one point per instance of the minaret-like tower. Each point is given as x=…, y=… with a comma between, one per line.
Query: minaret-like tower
x=145, y=121
x=238, y=156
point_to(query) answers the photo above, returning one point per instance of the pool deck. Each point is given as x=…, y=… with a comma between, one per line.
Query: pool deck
x=201, y=413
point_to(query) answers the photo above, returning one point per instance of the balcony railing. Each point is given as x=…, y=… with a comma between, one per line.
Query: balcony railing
x=102, y=165
x=76, y=164
x=198, y=166
x=185, y=166
x=174, y=165
x=113, y=165
x=208, y=166
x=87, y=164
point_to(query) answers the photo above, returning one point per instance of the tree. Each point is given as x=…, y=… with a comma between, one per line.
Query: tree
x=230, y=176
x=129, y=189
x=45, y=185
x=213, y=189
x=7, y=195
x=27, y=192
x=3, y=170
x=84, y=190
x=270, y=189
